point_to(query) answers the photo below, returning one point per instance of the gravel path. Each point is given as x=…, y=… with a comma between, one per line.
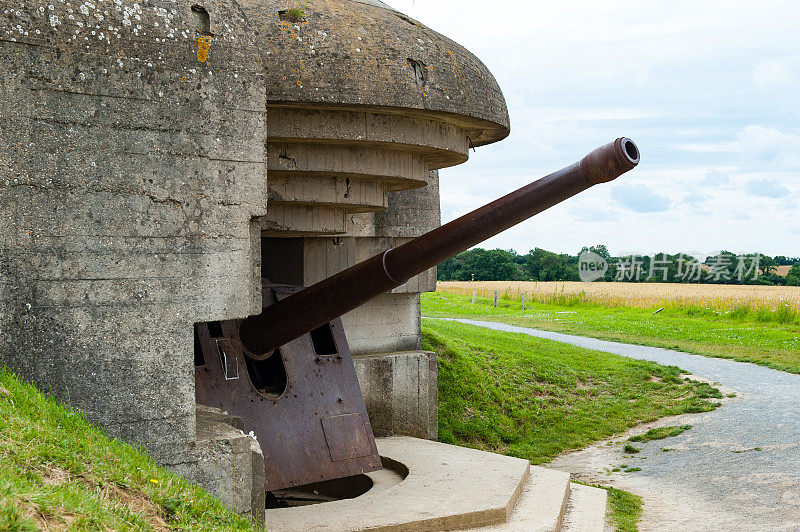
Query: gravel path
x=712, y=478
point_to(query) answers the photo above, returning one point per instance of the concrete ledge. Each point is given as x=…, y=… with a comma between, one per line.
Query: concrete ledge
x=586, y=509
x=447, y=488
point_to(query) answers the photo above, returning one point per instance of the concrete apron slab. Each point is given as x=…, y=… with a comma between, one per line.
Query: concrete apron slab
x=447, y=488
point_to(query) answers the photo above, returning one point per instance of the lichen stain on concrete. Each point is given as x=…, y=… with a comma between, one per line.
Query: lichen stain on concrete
x=203, y=46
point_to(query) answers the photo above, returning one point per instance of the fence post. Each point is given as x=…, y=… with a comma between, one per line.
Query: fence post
x=523, y=300
x=473, y=297
x=495, y=298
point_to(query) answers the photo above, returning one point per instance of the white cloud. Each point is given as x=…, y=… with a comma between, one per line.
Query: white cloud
x=639, y=198
x=594, y=214
x=767, y=188
x=715, y=178
x=771, y=72
x=695, y=198
x=557, y=114
x=770, y=145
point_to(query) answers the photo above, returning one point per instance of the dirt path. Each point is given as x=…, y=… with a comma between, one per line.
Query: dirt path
x=738, y=468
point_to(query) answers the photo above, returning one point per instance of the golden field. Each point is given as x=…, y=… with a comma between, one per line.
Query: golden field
x=642, y=295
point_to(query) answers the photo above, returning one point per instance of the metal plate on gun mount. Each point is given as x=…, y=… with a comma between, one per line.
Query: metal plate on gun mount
x=346, y=437
x=305, y=407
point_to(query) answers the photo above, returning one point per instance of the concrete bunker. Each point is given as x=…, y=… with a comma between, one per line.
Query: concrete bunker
x=190, y=166
x=170, y=174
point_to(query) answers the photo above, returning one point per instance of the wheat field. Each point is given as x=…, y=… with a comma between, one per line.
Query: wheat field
x=642, y=295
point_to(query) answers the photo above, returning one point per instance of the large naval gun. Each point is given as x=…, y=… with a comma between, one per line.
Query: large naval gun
x=288, y=372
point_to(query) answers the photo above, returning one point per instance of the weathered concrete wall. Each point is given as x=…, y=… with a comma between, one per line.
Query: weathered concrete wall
x=228, y=463
x=400, y=391
x=390, y=322
x=133, y=158
x=329, y=166
x=411, y=213
x=132, y=161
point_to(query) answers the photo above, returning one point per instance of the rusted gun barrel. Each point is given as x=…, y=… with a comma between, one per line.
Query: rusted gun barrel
x=326, y=300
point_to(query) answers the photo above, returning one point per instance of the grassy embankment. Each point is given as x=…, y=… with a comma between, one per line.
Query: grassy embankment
x=770, y=337
x=534, y=399
x=57, y=471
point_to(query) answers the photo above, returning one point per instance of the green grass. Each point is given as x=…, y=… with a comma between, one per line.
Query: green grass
x=624, y=510
x=295, y=11
x=660, y=433
x=534, y=398
x=630, y=449
x=59, y=471
x=738, y=335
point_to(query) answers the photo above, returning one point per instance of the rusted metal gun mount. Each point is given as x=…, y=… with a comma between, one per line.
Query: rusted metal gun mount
x=302, y=402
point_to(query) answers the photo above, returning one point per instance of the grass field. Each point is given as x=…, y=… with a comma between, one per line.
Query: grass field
x=760, y=336
x=720, y=297
x=58, y=472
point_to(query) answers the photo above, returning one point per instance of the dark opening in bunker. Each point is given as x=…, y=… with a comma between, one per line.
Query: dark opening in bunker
x=268, y=376
x=350, y=487
x=324, y=344
x=282, y=260
x=215, y=329
x=202, y=20
x=327, y=491
x=199, y=359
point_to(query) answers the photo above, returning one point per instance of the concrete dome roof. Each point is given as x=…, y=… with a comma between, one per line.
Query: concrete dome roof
x=362, y=53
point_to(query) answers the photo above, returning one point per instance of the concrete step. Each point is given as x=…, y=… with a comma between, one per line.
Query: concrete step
x=586, y=509
x=541, y=506
x=446, y=488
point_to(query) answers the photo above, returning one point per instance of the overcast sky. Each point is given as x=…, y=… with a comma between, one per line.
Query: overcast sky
x=710, y=92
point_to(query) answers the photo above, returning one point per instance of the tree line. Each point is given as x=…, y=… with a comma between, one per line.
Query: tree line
x=541, y=265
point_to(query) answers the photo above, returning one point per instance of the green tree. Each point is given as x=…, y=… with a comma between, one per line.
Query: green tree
x=793, y=277
x=782, y=260
x=543, y=265
x=485, y=265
